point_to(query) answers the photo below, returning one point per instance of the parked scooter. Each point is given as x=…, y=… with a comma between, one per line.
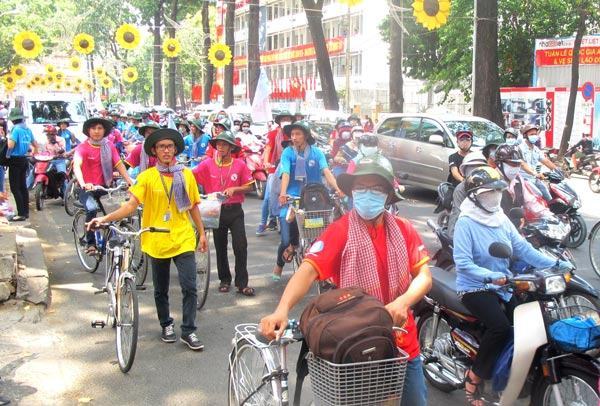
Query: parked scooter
x=444, y=203
x=541, y=367
x=49, y=182
x=566, y=203
x=254, y=161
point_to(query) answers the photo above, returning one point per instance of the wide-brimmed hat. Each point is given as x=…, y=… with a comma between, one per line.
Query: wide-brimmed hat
x=184, y=123
x=528, y=127
x=164, y=134
x=284, y=113
x=223, y=122
x=228, y=137
x=302, y=125
x=368, y=166
x=63, y=120
x=107, y=124
x=199, y=124
x=150, y=124
x=16, y=114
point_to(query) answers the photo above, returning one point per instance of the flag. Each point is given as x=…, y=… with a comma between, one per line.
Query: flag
x=261, y=108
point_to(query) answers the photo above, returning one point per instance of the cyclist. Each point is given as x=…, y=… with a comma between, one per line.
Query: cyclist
x=138, y=158
x=93, y=165
x=481, y=223
x=464, y=138
x=301, y=164
x=63, y=132
x=231, y=177
x=348, y=151
x=170, y=197
x=196, y=142
x=532, y=156
x=380, y=253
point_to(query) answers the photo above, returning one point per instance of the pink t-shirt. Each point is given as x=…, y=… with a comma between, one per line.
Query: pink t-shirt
x=134, y=157
x=91, y=167
x=215, y=178
x=115, y=136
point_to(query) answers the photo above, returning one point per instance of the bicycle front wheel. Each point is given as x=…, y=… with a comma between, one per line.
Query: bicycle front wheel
x=595, y=248
x=127, y=324
x=247, y=368
x=89, y=262
x=71, y=195
x=202, y=276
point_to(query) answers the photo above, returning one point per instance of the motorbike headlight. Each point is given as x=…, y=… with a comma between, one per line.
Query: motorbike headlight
x=554, y=285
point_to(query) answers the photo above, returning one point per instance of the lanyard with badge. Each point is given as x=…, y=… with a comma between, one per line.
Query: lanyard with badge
x=167, y=215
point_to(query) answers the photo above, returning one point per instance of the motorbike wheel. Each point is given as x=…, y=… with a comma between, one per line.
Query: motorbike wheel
x=594, y=182
x=424, y=325
x=260, y=188
x=581, y=299
x=576, y=388
x=38, y=191
x=578, y=232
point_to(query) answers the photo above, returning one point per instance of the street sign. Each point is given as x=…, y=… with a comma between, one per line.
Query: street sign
x=587, y=91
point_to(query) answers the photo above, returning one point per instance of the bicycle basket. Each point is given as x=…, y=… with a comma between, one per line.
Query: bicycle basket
x=210, y=211
x=312, y=223
x=575, y=328
x=360, y=383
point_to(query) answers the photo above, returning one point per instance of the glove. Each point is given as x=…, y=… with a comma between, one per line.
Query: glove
x=565, y=265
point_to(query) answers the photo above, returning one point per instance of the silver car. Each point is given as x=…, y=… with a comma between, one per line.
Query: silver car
x=418, y=145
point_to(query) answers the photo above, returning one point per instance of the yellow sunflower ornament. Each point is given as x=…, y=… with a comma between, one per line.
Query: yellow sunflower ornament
x=88, y=86
x=58, y=77
x=29, y=86
x=219, y=55
x=68, y=83
x=75, y=63
x=18, y=71
x=27, y=44
x=171, y=47
x=431, y=14
x=130, y=74
x=50, y=69
x=79, y=81
x=83, y=43
x=128, y=36
x=106, y=82
x=77, y=88
x=9, y=80
x=37, y=79
x=100, y=72
x=350, y=3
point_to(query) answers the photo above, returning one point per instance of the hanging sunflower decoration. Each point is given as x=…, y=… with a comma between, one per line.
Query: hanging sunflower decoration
x=29, y=86
x=431, y=14
x=79, y=81
x=130, y=74
x=106, y=82
x=49, y=79
x=43, y=82
x=50, y=69
x=58, y=77
x=9, y=88
x=37, y=79
x=68, y=83
x=88, y=86
x=9, y=80
x=350, y=3
x=219, y=55
x=128, y=36
x=75, y=63
x=83, y=43
x=77, y=88
x=58, y=86
x=27, y=44
x=18, y=71
x=171, y=47
x=100, y=72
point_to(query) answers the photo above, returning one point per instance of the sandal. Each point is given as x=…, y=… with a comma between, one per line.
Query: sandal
x=247, y=291
x=224, y=288
x=18, y=218
x=91, y=250
x=474, y=397
x=277, y=271
x=288, y=254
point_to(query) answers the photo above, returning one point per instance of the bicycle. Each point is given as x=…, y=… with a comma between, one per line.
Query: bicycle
x=258, y=373
x=120, y=285
x=594, y=250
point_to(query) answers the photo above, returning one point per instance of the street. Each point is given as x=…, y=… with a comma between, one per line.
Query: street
x=65, y=361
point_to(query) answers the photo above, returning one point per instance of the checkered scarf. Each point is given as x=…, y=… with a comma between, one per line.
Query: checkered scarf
x=359, y=259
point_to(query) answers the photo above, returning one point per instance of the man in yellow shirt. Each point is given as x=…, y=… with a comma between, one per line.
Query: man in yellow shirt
x=170, y=197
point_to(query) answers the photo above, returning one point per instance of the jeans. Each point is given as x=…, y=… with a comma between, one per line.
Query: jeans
x=186, y=270
x=90, y=204
x=415, y=389
x=264, y=209
x=232, y=218
x=289, y=235
x=543, y=189
x=17, y=177
x=2, y=176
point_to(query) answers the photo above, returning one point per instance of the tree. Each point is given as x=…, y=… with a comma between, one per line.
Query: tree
x=209, y=70
x=230, y=41
x=157, y=58
x=253, y=48
x=396, y=50
x=314, y=15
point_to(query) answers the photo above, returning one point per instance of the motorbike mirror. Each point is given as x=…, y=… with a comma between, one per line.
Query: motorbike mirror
x=516, y=213
x=500, y=250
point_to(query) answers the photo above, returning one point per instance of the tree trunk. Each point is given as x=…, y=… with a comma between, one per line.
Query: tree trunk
x=486, y=81
x=253, y=48
x=209, y=70
x=180, y=88
x=314, y=15
x=396, y=80
x=566, y=136
x=157, y=55
x=230, y=42
x=173, y=61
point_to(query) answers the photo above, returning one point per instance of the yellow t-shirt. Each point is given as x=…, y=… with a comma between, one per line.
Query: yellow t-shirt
x=150, y=192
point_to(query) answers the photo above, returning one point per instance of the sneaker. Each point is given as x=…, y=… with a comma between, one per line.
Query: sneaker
x=260, y=230
x=168, y=334
x=272, y=226
x=193, y=342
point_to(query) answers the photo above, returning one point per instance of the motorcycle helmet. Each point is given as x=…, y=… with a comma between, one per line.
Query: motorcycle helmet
x=491, y=142
x=508, y=153
x=369, y=140
x=511, y=131
x=472, y=161
x=50, y=129
x=483, y=179
x=528, y=127
x=345, y=131
x=463, y=130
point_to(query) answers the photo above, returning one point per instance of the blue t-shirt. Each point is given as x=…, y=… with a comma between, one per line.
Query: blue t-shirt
x=315, y=164
x=23, y=137
x=200, y=149
x=66, y=134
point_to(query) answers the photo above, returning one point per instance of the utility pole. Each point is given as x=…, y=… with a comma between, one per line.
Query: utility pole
x=348, y=67
x=473, y=67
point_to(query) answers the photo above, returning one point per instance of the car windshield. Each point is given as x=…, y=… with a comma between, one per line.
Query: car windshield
x=46, y=112
x=481, y=130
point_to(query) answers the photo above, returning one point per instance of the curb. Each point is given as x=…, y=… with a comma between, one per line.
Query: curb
x=32, y=272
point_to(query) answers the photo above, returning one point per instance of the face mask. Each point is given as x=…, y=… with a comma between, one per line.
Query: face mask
x=284, y=123
x=493, y=154
x=533, y=138
x=512, y=141
x=368, y=151
x=246, y=130
x=490, y=200
x=510, y=171
x=345, y=135
x=369, y=204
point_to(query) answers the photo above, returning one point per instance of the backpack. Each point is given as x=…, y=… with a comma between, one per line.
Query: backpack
x=348, y=325
x=315, y=196
x=3, y=151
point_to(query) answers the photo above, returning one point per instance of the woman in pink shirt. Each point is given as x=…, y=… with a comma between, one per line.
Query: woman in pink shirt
x=231, y=177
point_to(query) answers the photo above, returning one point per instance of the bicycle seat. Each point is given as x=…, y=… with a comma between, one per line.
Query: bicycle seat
x=443, y=291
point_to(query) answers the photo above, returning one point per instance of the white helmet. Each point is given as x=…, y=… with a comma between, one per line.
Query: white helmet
x=472, y=161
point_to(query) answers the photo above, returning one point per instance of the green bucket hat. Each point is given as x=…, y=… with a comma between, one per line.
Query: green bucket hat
x=199, y=124
x=369, y=166
x=164, y=134
x=302, y=125
x=282, y=114
x=150, y=124
x=16, y=114
x=228, y=137
x=184, y=123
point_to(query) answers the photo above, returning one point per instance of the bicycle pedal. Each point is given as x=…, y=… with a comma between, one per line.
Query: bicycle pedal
x=98, y=324
x=101, y=291
x=140, y=287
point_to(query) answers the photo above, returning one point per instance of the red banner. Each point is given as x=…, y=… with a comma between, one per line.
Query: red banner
x=564, y=56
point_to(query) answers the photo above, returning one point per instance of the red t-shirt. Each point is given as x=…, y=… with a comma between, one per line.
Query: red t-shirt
x=271, y=137
x=216, y=178
x=134, y=157
x=91, y=166
x=115, y=136
x=325, y=255
x=210, y=151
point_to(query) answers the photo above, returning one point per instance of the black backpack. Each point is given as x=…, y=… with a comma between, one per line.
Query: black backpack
x=315, y=196
x=3, y=151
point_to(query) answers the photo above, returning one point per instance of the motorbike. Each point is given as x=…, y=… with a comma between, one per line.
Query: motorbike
x=444, y=203
x=254, y=161
x=594, y=180
x=541, y=367
x=48, y=182
x=566, y=203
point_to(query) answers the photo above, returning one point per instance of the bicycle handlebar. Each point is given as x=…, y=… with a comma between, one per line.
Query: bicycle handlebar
x=113, y=227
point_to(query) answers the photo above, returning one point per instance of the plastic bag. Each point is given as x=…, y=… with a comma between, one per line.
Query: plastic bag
x=576, y=333
x=502, y=367
x=210, y=211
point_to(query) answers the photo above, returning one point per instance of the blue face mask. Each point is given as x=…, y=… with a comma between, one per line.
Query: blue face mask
x=369, y=204
x=512, y=141
x=533, y=138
